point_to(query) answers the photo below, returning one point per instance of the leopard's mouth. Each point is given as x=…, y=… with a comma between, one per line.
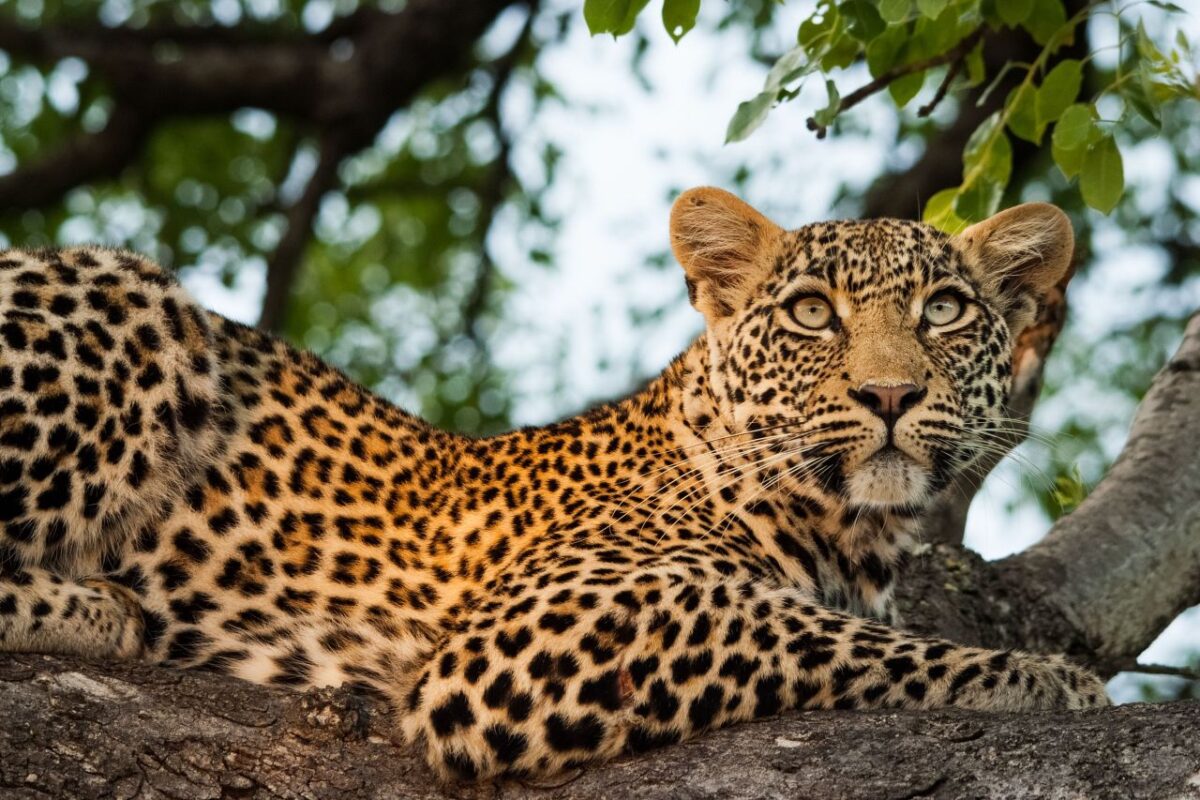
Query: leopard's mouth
x=889, y=478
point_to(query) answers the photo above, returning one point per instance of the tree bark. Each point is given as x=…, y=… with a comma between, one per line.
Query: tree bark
x=80, y=730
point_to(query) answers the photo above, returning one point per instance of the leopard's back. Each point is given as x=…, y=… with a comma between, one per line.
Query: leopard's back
x=109, y=397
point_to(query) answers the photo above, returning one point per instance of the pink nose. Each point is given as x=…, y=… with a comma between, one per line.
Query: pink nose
x=889, y=402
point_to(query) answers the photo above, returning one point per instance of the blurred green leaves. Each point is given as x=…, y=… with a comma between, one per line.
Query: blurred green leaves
x=397, y=285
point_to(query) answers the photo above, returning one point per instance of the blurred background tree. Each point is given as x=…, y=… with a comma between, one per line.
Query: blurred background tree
x=462, y=203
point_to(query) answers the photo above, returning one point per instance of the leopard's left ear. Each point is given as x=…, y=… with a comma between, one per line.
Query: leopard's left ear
x=1019, y=255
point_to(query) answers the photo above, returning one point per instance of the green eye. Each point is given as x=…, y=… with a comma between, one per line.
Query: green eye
x=812, y=312
x=944, y=308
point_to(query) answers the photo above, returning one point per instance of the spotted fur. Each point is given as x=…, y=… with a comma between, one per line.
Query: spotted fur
x=719, y=546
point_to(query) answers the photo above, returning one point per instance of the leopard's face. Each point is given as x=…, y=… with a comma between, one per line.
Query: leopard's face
x=877, y=337
x=874, y=358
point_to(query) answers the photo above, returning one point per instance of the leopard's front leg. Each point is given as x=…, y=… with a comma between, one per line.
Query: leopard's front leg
x=41, y=612
x=564, y=676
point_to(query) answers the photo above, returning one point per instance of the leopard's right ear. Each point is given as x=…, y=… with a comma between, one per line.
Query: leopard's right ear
x=724, y=246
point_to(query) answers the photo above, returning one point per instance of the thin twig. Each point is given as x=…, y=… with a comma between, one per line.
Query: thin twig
x=1187, y=673
x=951, y=73
x=951, y=56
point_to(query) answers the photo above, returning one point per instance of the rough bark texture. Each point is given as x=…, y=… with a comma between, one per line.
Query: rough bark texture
x=85, y=731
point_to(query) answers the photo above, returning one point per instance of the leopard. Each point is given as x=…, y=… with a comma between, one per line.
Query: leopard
x=719, y=546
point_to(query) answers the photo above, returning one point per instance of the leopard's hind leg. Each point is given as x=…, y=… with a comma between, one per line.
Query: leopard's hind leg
x=41, y=612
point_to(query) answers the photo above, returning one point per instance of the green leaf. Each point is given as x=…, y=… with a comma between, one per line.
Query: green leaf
x=1075, y=130
x=842, y=53
x=905, y=89
x=932, y=8
x=1171, y=7
x=987, y=166
x=932, y=37
x=1139, y=97
x=864, y=19
x=1146, y=47
x=988, y=153
x=679, y=17
x=612, y=16
x=939, y=212
x=976, y=69
x=817, y=35
x=749, y=116
x=1075, y=127
x=1069, y=160
x=979, y=200
x=884, y=50
x=1014, y=12
x=1102, y=179
x=1069, y=490
x=1058, y=90
x=1044, y=20
x=789, y=67
x=1022, y=113
x=894, y=11
x=826, y=115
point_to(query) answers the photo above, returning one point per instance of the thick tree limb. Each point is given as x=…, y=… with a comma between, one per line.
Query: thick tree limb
x=78, y=730
x=376, y=69
x=1110, y=576
x=1127, y=561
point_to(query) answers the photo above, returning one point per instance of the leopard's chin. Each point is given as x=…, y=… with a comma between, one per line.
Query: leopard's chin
x=889, y=479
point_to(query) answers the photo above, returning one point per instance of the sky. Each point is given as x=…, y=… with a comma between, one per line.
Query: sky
x=627, y=151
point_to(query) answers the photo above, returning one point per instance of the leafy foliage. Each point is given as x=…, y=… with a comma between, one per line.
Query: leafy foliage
x=905, y=42
x=403, y=235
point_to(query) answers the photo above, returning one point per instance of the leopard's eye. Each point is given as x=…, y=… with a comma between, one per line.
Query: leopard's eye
x=944, y=308
x=813, y=312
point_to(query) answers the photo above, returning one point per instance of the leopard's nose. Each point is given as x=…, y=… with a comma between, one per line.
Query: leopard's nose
x=889, y=403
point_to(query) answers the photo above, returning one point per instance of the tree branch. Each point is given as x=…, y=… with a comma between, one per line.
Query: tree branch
x=901, y=194
x=86, y=157
x=952, y=56
x=285, y=260
x=85, y=731
x=1160, y=669
x=174, y=72
x=1109, y=577
x=1127, y=561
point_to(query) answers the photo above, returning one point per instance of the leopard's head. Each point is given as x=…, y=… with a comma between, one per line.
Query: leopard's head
x=873, y=358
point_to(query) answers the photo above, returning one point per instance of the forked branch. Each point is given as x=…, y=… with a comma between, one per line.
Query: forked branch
x=954, y=56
